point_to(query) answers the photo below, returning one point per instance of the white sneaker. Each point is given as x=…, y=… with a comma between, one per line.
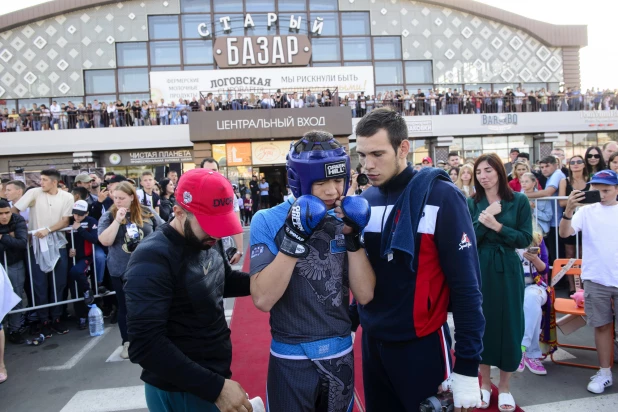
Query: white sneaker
x=599, y=382
x=125, y=351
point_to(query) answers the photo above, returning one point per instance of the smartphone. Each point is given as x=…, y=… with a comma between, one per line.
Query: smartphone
x=103, y=186
x=591, y=196
x=534, y=250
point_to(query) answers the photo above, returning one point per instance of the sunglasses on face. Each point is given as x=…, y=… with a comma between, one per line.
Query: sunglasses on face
x=593, y=156
x=577, y=162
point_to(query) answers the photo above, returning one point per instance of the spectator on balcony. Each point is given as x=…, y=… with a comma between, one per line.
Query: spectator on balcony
x=194, y=105
x=24, y=120
x=220, y=104
x=209, y=103
x=296, y=102
x=310, y=100
x=96, y=114
x=45, y=117
x=239, y=103
x=119, y=114
x=267, y=102
x=327, y=98
x=361, y=104
x=35, y=114
x=55, y=112
x=80, y=122
x=71, y=116
x=163, y=113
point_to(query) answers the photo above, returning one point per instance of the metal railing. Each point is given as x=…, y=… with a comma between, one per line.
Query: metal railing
x=246, y=98
x=32, y=304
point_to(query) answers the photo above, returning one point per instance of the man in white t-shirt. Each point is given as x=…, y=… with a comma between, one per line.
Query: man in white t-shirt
x=598, y=223
x=146, y=194
x=264, y=197
x=50, y=210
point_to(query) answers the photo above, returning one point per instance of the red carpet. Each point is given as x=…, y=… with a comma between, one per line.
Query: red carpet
x=251, y=350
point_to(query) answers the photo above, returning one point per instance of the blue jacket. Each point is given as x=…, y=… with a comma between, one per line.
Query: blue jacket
x=410, y=303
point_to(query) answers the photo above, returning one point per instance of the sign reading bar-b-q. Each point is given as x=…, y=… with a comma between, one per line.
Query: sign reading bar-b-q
x=262, y=51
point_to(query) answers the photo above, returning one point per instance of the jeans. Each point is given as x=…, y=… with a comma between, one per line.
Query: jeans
x=99, y=262
x=54, y=122
x=36, y=125
x=120, y=120
x=17, y=276
x=163, y=401
x=121, y=302
x=164, y=120
x=534, y=298
x=79, y=274
x=43, y=285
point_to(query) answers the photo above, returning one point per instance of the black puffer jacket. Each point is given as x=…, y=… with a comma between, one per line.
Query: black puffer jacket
x=175, y=315
x=14, y=246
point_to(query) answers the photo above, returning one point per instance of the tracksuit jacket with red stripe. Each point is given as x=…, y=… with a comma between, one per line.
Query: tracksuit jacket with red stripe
x=411, y=304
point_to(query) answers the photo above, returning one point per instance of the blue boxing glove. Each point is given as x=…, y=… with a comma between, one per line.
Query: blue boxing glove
x=356, y=214
x=304, y=216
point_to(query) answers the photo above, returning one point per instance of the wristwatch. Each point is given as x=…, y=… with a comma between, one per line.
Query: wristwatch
x=565, y=217
x=238, y=252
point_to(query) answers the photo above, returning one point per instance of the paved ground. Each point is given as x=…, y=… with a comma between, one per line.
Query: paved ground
x=77, y=373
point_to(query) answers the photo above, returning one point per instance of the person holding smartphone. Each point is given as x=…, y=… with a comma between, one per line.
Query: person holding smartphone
x=599, y=269
x=535, y=262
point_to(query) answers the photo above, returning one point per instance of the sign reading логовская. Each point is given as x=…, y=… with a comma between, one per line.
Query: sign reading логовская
x=264, y=124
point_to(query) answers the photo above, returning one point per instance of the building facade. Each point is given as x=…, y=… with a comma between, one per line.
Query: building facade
x=79, y=51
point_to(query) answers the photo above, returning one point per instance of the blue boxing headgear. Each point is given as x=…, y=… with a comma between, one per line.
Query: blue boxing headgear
x=309, y=162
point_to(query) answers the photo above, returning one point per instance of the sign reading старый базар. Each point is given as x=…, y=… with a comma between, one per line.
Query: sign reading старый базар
x=175, y=85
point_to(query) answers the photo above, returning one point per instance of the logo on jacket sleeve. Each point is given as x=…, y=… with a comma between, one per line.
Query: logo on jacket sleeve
x=465, y=242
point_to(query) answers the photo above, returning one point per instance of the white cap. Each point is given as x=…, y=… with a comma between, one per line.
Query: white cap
x=80, y=207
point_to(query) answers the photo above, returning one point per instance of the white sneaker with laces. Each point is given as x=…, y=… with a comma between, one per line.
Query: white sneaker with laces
x=125, y=351
x=599, y=382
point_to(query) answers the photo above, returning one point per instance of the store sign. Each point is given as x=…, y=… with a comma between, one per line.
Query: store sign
x=499, y=122
x=238, y=154
x=147, y=157
x=272, y=20
x=418, y=126
x=262, y=51
x=260, y=124
x=270, y=152
x=176, y=85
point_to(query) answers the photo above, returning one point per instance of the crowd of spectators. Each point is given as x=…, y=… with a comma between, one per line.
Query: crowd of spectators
x=93, y=114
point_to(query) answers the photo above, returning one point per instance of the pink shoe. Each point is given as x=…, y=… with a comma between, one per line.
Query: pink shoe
x=522, y=365
x=535, y=366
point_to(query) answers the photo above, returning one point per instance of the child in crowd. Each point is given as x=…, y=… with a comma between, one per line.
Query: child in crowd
x=248, y=207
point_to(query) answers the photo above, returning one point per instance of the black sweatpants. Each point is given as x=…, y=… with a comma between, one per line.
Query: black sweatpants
x=398, y=376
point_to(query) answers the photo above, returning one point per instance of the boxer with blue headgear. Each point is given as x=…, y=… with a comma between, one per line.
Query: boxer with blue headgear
x=306, y=255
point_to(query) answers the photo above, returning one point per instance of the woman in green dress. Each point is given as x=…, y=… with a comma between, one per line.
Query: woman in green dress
x=502, y=223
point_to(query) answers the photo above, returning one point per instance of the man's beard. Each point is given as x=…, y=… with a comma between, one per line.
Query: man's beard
x=94, y=185
x=193, y=240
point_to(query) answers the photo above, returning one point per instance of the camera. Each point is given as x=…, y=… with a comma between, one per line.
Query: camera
x=362, y=179
x=132, y=244
x=442, y=402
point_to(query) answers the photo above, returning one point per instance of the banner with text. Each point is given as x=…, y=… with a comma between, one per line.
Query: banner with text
x=176, y=85
x=268, y=124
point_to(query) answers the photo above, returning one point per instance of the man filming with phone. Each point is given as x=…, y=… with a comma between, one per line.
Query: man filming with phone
x=598, y=223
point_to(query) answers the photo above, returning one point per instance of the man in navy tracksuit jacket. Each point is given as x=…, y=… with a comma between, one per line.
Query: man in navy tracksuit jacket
x=406, y=353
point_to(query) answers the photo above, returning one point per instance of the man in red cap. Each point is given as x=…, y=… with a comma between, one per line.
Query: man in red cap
x=427, y=162
x=176, y=281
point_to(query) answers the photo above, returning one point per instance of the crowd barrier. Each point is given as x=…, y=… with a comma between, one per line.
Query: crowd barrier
x=32, y=304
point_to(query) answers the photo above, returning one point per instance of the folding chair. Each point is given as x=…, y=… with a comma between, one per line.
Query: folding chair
x=568, y=307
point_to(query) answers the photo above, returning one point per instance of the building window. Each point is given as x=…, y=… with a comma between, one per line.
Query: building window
x=388, y=72
x=355, y=24
x=198, y=68
x=194, y=6
x=326, y=64
x=325, y=49
x=236, y=23
x=357, y=63
x=534, y=87
x=164, y=53
x=100, y=81
x=477, y=86
x=165, y=68
x=386, y=48
x=197, y=51
x=131, y=54
x=102, y=98
x=418, y=72
x=228, y=6
x=331, y=23
x=292, y=5
x=284, y=23
x=328, y=5
x=27, y=103
x=357, y=48
x=142, y=97
x=259, y=5
x=190, y=23
x=163, y=27
x=133, y=80
x=413, y=88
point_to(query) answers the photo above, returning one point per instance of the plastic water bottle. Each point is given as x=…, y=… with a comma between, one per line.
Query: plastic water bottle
x=258, y=404
x=95, y=321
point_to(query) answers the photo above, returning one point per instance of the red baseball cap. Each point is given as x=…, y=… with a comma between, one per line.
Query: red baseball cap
x=210, y=197
x=427, y=159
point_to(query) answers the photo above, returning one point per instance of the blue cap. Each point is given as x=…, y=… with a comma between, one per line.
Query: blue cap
x=605, y=177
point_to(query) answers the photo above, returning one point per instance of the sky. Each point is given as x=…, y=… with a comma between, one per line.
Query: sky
x=598, y=60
